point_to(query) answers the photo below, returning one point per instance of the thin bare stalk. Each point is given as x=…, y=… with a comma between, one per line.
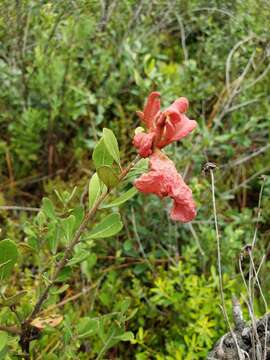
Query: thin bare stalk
x=252, y=270
x=229, y=58
x=250, y=288
x=19, y=208
x=250, y=310
x=246, y=158
x=194, y=234
x=182, y=30
x=218, y=241
x=139, y=240
x=223, y=306
x=259, y=212
x=264, y=302
x=10, y=329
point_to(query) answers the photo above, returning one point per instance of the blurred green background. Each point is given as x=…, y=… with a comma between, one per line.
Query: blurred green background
x=68, y=69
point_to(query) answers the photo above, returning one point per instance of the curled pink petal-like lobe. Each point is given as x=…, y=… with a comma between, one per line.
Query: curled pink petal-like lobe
x=164, y=180
x=184, y=208
x=144, y=143
x=151, y=183
x=151, y=109
x=176, y=127
x=183, y=212
x=181, y=104
x=183, y=128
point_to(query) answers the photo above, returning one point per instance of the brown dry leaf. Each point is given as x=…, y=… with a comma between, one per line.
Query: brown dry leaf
x=42, y=322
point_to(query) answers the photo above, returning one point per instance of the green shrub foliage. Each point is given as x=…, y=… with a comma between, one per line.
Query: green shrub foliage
x=136, y=285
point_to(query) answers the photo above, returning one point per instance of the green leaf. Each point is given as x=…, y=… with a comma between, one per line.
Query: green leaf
x=94, y=190
x=123, y=198
x=111, y=144
x=109, y=226
x=101, y=155
x=3, y=340
x=53, y=236
x=127, y=336
x=132, y=314
x=87, y=327
x=91, y=260
x=140, y=168
x=65, y=275
x=139, y=268
x=8, y=258
x=78, y=212
x=108, y=176
x=124, y=305
x=15, y=299
x=48, y=208
x=57, y=291
x=88, y=264
x=81, y=253
x=78, y=258
x=68, y=225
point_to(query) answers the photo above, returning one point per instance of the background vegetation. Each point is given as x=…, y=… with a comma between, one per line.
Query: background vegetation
x=70, y=68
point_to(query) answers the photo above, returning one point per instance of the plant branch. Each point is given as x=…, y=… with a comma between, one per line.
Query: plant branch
x=14, y=330
x=74, y=242
x=19, y=208
x=28, y=332
x=66, y=255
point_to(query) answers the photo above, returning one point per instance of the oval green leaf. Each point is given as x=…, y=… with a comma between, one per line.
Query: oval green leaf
x=109, y=226
x=48, y=208
x=8, y=258
x=93, y=190
x=108, y=176
x=87, y=327
x=15, y=299
x=3, y=340
x=101, y=155
x=126, y=336
x=78, y=258
x=68, y=225
x=122, y=198
x=111, y=144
